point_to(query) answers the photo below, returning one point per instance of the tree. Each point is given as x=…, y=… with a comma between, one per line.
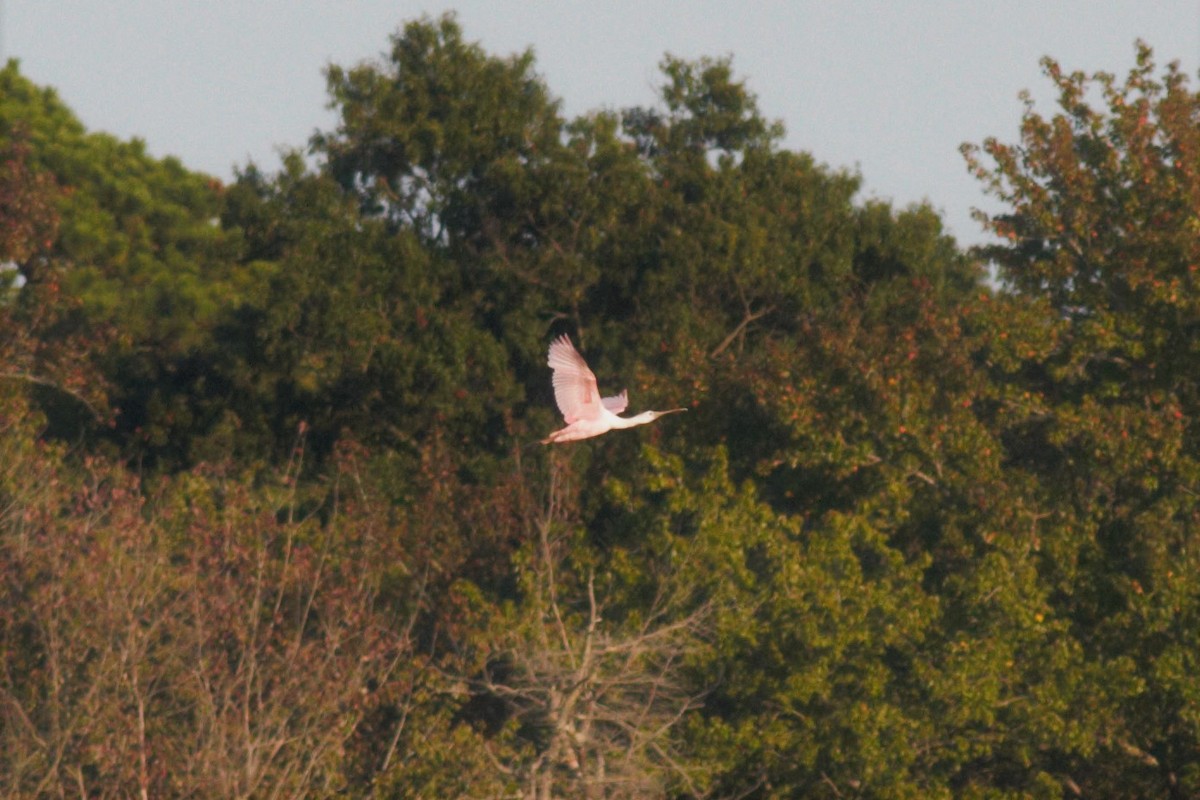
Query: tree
x=588, y=667
x=354, y=331
x=1100, y=230
x=27, y=211
x=457, y=127
x=467, y=152
x=139, y=262
x=193, y=640
x=37, y=350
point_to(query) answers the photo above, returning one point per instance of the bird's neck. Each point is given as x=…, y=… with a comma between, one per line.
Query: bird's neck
x=636, y=419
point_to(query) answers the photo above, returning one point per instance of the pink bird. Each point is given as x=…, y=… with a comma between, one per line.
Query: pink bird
x=578, y=397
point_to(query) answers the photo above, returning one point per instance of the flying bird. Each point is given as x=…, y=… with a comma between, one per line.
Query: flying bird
x=578, y=397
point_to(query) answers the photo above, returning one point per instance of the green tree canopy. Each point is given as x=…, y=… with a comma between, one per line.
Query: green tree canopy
x=1101, y=231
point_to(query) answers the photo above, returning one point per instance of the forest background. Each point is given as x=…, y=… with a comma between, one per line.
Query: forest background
x=271, y=523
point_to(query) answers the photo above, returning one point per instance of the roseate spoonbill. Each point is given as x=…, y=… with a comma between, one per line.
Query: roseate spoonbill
x=586, y=412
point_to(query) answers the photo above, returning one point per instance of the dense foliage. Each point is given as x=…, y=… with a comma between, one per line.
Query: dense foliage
x=271, y=523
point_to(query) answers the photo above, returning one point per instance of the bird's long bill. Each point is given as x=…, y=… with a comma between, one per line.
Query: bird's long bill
x=672, y=411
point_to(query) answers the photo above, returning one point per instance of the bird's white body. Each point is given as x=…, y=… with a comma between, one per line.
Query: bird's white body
x=603, y=423
x=575, y=390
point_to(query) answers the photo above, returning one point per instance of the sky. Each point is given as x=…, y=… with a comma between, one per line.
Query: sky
x=887, y=89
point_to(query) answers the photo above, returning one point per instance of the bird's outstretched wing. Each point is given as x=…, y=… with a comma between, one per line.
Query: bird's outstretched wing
x=575, y=388
x=618, y=403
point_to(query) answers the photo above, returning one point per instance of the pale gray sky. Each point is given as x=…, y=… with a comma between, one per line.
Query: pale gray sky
x=888, y=88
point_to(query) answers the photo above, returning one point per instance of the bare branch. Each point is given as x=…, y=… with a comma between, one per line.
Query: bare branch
x=56, y=386
x=749, y=317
